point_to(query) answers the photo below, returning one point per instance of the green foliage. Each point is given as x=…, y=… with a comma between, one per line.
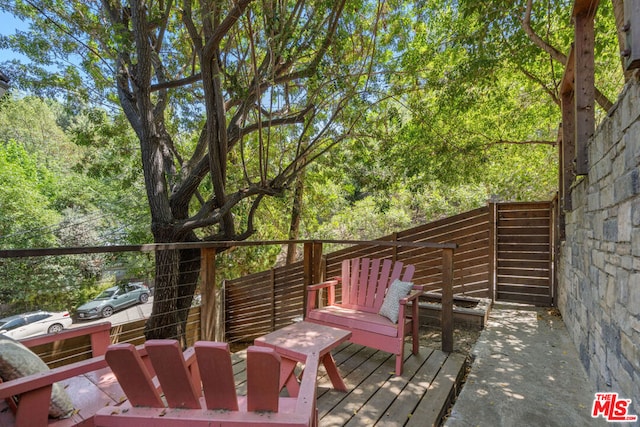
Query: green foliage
x=25, y=216
x=46, y=202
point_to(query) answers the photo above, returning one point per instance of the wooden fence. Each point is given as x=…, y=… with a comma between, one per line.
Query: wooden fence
x=502, y=251
x=508, y=242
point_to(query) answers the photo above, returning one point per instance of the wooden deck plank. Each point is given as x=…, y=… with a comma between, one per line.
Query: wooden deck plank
x=434, y=403
x=401, y=410
x=376, y=396
x=350, y=404
x=375, y=409
x=363, y=363
x=348, y=360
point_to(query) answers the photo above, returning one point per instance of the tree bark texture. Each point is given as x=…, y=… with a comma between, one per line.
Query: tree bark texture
x=225, y=51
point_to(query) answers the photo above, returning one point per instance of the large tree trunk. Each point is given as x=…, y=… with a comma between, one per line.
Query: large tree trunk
x=163, y=320
x=177, y=273
x=187, y=284
x=296, y=214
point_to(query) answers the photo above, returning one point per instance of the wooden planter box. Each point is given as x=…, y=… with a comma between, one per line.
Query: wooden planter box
x=468, y=312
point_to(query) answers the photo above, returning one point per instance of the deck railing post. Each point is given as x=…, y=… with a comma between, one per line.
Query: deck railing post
x=208, y=313
x=318, y=272
x=447, y=300
x=313, y=271
x=307, y=278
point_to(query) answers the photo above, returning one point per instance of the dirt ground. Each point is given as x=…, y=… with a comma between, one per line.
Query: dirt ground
x=463, y=338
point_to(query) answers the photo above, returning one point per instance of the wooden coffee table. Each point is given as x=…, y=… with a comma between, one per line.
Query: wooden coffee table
x=296, y=341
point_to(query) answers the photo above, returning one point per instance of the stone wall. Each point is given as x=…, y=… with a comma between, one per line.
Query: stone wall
x=599, y=262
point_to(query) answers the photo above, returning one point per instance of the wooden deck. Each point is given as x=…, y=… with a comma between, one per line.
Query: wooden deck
x=420, y=397
x=376, y=396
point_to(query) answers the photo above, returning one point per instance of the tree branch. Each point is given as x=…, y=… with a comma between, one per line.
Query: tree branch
x=221, y=30
x=551, y=93
x=555, y=54
x=537, y=40
x=70, y=34
x=176, y=83
x=208, y=215
x=530, y=142
x=291, y=119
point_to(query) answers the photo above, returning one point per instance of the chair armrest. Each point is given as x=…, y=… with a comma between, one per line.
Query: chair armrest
x=413, y=295
x=306, y=403
x=312, y=291
x=415, y=313
x=98, y=335
x=47, y=378
x=323, y=285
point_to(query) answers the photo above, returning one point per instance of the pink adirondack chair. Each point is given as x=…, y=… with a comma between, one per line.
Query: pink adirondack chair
x=204, y=393
x=364, y=285
x=88, y=383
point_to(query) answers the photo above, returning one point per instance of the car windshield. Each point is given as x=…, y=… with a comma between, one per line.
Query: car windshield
x=106, y=294
x=11, y=323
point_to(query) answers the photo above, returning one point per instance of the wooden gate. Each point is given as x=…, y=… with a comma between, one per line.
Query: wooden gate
x=524, y=253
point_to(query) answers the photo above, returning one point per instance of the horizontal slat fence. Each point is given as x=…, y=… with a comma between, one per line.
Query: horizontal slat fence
x=469, y=230
x=259, y=303
x=263, y=302
x=524, y=253
x=503, y=251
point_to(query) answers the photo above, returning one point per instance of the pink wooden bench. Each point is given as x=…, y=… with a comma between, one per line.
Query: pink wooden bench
x=205, y=394
x=89, y=384
x=364, y=285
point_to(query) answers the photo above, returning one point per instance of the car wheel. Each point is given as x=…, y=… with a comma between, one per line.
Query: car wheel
x=107, y=311
x=144, y=298
x=55, y=328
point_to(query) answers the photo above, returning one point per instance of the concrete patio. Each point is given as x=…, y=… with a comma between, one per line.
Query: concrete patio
x=526, y=372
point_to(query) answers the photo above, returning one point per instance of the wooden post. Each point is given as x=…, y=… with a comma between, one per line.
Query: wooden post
x=446, y=320
x=568, y=139
x=307, y=277
x=318, y=272
x=313, y=268
x=208, y=314
x=553, y=239
x=584, y=83
x=307, y=262
x=100, y=340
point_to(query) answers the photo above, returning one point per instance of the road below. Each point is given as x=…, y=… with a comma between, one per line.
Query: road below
x=131, y=314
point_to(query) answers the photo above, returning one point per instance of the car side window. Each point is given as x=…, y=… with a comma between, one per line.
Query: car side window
x=130, y=288
x=16, y=323
x=36, y=317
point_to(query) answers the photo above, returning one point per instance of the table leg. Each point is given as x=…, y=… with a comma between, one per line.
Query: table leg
x=288, y=376
x=332, y=371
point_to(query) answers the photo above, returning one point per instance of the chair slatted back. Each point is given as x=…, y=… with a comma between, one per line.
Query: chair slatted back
x=365, y=281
